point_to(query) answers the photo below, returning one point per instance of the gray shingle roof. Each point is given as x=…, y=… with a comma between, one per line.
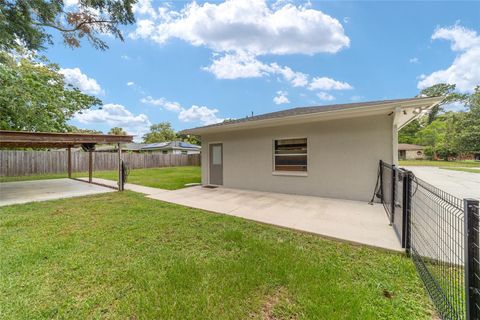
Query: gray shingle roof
x=309, y=110
x=406, y=146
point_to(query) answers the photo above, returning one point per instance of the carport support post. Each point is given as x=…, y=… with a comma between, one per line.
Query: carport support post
x=69, y=162
x=90, y=165
x=120, y=173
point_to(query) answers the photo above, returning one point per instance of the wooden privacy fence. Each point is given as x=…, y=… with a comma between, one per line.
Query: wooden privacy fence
x=23, y=163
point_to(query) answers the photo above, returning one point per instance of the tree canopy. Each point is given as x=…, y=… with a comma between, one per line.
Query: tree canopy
x=160, y=132
x=117, y=131
x=29, y=21
x=80, y=130
x=163, y=131
x=34, y=95
x=447, y=134
x=442, y=89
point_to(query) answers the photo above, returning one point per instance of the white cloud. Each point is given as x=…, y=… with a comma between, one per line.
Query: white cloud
x=125, y=57
x=203, y=114
x=244, y=65
x=281, y=97
x=162, y=102
x=239, y=31
x=116, y=115
x=247, y=25
x=145, y=29
x=325, y=96
x=414, y=60
x=70, y=3
x=465, y=69
x=78, y=79
x=130, y=83
x=324, y=83
x=296, y=79
x=462, y=38
x=144, y=7
x=239, y=65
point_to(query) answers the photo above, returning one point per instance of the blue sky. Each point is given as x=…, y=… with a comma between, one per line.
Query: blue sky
x=194, y=64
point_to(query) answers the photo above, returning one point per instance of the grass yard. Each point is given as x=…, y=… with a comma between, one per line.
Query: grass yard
x=124, y=256
x=440, y=163
x=170, y=178
x=471, y=170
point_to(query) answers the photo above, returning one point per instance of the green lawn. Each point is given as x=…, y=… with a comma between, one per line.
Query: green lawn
x=471, y=170
x=124, y=256
x=440, y=163
x=170, y=178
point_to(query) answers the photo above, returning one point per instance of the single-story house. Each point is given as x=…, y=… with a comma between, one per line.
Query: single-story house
x=410, y=152
x=169, y=147
x=173, y=147
x=328, y=151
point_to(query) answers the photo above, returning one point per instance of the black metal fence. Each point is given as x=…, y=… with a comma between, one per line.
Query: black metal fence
x=441, y=234
x=387, y=187
x=436, y=246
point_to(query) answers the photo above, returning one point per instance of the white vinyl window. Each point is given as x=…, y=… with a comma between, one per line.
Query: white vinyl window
x=290, y=155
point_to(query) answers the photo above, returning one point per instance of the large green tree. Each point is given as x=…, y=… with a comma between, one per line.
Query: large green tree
x=80, y=130
x=34, y=95
x=117, y=131
x=408, y=133
x=469, y=125
x=189, y=138
x=442, y=89
x=160, y=132
x=31, y=22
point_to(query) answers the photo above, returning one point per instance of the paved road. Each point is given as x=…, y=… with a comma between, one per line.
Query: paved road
x=458, y=183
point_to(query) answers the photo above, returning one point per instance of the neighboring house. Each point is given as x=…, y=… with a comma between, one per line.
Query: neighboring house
x=175, y=147
x=170, y=147
x=127, y=147
x=410, y=152
x=328, y=151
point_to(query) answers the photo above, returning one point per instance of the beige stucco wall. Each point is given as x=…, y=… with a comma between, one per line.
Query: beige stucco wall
x=343, y=157
x=412, y=154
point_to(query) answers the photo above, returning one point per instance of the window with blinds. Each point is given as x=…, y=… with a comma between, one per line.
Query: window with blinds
x=290, y=155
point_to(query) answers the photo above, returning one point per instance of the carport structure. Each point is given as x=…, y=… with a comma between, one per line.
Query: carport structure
x=25, y=139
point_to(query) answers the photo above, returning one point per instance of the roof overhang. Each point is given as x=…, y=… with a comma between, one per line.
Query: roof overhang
x=405, y=112
x=24, y=139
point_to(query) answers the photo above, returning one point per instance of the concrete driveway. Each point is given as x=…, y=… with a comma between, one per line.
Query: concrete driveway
x=41, y=190
x=458, y=183
x=352, y=221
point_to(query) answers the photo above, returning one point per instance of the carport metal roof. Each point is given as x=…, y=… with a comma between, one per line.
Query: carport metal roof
x=26, y=139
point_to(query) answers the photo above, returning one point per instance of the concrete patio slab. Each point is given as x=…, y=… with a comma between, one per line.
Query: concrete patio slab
x=42, y=190
x=352, y=221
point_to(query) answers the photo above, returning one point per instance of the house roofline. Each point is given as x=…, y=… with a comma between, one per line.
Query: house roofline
x=332, y=112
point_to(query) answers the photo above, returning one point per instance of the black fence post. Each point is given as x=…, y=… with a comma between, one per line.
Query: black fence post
x=406, y=206
x=381, y=180
x=394, y=184
x=472, y=264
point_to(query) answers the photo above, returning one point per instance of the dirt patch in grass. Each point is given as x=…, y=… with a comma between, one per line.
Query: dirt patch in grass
x=277, y=306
